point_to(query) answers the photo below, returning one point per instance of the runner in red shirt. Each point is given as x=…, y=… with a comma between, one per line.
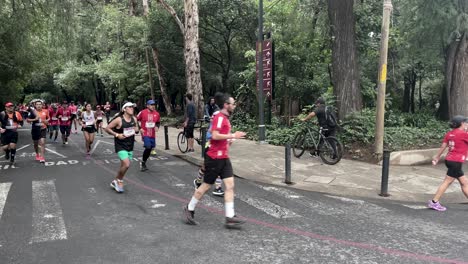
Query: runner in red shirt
x=217, y=163
x=64, y=115
x=150, y=121
x=457, y=143
x=74, y=116
x=54, y=122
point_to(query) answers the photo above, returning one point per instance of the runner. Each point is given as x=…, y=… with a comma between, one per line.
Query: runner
x=123, y=128
x=64, y=114
x=39, y=118
x=88, y=120
x=217, y=163
x=74, y=116
x=10, y=121
x=149, y=122
x=107, y=110
x=99, y=118
x=54, y=122
x=457, y=143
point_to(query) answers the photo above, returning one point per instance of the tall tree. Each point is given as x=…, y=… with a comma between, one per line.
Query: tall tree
x=345, y=77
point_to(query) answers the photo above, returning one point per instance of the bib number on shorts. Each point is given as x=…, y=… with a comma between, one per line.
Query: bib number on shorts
x=129, y=131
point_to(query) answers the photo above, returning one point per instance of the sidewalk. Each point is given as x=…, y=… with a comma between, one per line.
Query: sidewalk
x=265, y=163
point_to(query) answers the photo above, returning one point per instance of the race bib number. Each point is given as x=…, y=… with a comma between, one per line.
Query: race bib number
x=73, y=113
x=54, y=118
x=10, y=125
x=89, y=123
x=150, y=124
x=129, y=131
x=64, y=118
x=99, y=118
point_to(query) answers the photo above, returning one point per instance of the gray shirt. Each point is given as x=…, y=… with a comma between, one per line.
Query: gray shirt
x=191, y=113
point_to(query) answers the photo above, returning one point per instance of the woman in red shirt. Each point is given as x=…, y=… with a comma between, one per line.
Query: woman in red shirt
x=457, y=143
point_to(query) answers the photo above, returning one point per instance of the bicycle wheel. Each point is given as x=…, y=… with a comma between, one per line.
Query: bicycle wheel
x=182, y=142
x=330, y=150
x=298, y=145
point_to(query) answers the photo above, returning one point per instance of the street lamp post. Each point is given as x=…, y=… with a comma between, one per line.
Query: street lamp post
x=261, y=126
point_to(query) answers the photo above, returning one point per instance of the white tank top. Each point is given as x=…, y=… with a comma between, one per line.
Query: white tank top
x=88, y=119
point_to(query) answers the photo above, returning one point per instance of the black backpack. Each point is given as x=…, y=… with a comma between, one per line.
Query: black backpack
x=330, y=117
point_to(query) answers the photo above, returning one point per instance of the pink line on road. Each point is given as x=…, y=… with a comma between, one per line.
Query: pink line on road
x=375, y=248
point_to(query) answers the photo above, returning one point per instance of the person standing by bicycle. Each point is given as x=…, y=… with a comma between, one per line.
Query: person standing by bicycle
x=190, y=121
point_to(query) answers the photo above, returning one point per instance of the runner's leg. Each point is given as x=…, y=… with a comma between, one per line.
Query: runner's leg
x=463, y=180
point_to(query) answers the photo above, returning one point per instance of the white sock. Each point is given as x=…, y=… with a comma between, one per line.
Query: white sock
x=192, y=204
x=229, y=209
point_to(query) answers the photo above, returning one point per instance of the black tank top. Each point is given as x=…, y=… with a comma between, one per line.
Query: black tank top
x=128, y=130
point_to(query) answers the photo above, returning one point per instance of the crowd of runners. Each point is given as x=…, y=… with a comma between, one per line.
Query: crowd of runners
x=48, y=120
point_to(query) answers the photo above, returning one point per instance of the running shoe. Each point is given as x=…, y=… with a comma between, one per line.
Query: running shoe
x=218, y=192
x=88, y=155
x=38, y=157
x=436, y=206
x=12, y=162
x=189, y=216
x=102, y=135
x=117, y=185
x=153, y=152
x=42, y=160
x=233, y=222
x=143, y=166
x=66, y=142
x=197, y=183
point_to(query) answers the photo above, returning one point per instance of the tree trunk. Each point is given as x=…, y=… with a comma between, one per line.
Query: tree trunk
x=192, y=55
x=420, y=92
x=408, y=95
x=131, y=7
x=413, y=89
x=344, y=57
x=457, y=77
x=162, y=81
x=145, y=8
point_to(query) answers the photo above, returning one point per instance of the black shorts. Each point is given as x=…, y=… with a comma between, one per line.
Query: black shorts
x=98, y=122
x=215, y=168
x=189, y=130
x=65, y=129
x=38, y=134
x=9, y=137
x=73, y=117
x=454, y=169
x=89, y=129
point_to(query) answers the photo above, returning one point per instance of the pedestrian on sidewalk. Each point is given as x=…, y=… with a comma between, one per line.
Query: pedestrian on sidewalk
x=150, y=121
x=123, y=128
x=457, y=143
x=190, y=121
x=217, y=163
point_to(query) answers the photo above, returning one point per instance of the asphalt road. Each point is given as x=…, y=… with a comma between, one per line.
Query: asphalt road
x=65, y=212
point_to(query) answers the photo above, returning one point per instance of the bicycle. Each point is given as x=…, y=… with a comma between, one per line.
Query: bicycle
x=182, y=141
x=329, y=149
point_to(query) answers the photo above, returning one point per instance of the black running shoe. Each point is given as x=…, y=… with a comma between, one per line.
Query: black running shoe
x=143, y=166
x=233, y=222
x=189, y=216
x=218, y=192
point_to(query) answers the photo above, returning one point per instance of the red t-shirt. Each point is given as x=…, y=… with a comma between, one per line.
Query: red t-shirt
x=54, y=121
x=219, y=148
x=457, y=141
x=149, y=120
x=64, y=115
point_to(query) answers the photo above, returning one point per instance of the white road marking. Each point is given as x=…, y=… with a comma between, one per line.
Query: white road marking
x=359, y=202
x=4, y=190
x=18, y=149
x=56, y=153
x=156, y=204
x=416, y=207
x=95, y=146
x=48, y=223
x=268, y=207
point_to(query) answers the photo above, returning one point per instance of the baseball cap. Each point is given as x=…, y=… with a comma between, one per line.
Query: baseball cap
x=9, y=104
x=150, y=102
x=129, y=104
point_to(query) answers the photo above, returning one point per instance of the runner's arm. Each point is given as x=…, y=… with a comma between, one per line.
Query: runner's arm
x=439, y=153
x=137, y=127
x=109, y=128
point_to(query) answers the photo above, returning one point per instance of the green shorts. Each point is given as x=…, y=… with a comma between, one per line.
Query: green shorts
x=123, y=155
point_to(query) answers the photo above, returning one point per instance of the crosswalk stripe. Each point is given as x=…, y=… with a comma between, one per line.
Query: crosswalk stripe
x=48, y=223
x=416, y=207
x=4, y=190
x=268, y=207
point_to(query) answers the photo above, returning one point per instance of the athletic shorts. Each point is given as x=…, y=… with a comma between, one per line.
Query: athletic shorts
x=53, y=128
x=89, y=129
x=65, y=129
x=454, y=169
x=149, y=142
x=215, y=168
x=9, y=137
x=73, y=117
x=38, y=134
x=189, y=131
x=123, y=155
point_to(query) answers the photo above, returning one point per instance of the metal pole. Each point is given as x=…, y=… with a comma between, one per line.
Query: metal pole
x=379, y=131
x=203, y=141
x=287, y=158
x=166, y=137
x=385, y=167
x=261, y=126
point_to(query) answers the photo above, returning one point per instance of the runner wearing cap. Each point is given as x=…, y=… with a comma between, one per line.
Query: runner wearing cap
x=39, y=118
x=123, y=128
x=457, y=143
x=88, y=120
x=10, y=121
x=150, y=121
x=99, y=118
x=64, y=115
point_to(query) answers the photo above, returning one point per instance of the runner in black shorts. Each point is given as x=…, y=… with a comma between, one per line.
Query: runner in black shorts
x=39, y=118
x=457, y=143
x=10, y=121
x=88, y=120
x=217, y=163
